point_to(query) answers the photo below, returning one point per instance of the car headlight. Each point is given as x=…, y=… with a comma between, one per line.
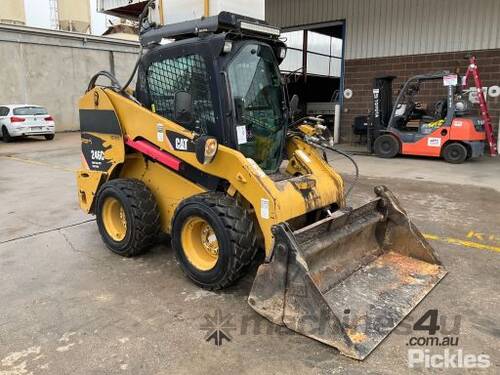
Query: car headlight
x=206, y=149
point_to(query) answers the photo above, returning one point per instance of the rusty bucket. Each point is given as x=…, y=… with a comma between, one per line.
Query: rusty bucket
x=350, y=279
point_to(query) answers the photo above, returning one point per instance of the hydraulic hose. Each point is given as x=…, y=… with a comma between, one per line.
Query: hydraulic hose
x=356, y=168
x=136, y=67
x=346, y=155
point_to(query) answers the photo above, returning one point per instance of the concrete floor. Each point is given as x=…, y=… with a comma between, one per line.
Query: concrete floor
x=68, y=305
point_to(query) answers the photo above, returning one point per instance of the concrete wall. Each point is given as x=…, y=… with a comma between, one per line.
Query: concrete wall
x=53, y=68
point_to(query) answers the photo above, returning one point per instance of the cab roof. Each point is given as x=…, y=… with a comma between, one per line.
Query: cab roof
x=223, y=22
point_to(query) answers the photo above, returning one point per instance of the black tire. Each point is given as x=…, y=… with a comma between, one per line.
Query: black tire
x=234, y=229
x=49, y=137
x=5, y=135
x=141, y=212
x=455, y=153
x=386, y=146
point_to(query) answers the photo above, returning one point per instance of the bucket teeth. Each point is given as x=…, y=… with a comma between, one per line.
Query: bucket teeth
x=350, y=280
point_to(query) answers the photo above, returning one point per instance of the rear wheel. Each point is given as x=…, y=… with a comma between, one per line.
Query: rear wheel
x=214, y=239
x=386, y=146
x=455, y=153
x=49, y=137
x=5, y=135
x=128, y=216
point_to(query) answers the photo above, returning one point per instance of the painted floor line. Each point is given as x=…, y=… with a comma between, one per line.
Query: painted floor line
x=36, y=162
x=459, y=242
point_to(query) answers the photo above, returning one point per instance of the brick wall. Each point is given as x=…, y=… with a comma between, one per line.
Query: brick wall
x=359, y=76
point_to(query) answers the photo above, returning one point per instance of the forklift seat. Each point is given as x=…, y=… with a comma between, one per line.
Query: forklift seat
x=440, y=109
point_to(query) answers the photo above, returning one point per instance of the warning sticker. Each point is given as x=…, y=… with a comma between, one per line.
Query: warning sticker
x=241, y=133
x=450, y=80
x=433, y=142
x=160, y=135
x=264, y=208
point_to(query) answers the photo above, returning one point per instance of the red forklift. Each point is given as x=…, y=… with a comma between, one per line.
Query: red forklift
x=443, y=128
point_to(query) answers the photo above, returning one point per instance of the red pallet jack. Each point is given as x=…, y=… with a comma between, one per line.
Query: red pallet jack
x=473, y=71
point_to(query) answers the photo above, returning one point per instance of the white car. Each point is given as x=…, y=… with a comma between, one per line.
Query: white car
x=23, y=120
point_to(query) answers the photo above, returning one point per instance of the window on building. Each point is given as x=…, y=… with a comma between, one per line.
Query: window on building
x=324, y=53
x=187, y=73
x=293, y=58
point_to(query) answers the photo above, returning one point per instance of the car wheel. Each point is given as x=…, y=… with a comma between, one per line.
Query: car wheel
x=49, y=137
x=455, y=153
x=5, y=135
x=386, y=146
x=214, y=239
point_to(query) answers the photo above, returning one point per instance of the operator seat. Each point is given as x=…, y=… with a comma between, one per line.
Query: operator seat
x=440, y=109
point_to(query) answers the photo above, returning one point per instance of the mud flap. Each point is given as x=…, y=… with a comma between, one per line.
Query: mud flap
x=350, y=279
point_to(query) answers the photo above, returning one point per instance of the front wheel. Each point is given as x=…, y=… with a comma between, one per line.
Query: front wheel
x=214, y=239
x=49, y=137
x=455, y=153
x=127, y=216
x=386, y=146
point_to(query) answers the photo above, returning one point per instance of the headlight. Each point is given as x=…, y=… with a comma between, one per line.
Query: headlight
x=228, y=46
x=206, y=148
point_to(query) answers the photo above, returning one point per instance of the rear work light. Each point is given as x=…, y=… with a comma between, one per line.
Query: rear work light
x=17, y=119
x=49, y=118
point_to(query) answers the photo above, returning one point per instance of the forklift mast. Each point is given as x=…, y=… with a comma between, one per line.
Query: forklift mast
x=382, y=107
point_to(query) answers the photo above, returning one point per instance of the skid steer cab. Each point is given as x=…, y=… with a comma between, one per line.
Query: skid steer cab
x=203, y=150
x=443, y=128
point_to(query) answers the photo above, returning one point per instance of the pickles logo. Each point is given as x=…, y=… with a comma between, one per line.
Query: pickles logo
x=447, y=359
x=218, y=327
x=425, y=349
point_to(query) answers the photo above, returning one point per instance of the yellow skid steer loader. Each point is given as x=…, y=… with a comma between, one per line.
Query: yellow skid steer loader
x=204, y=151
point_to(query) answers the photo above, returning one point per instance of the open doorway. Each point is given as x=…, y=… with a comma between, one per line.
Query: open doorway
x=313, y=67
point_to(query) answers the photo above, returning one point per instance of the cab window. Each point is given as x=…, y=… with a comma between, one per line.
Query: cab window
x=258, y=100
x=187, y=73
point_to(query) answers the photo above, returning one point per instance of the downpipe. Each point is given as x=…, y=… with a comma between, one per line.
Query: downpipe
x=336, y=125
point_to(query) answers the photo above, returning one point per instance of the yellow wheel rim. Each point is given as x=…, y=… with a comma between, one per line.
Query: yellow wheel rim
x=199, y=243
x=114, y=219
